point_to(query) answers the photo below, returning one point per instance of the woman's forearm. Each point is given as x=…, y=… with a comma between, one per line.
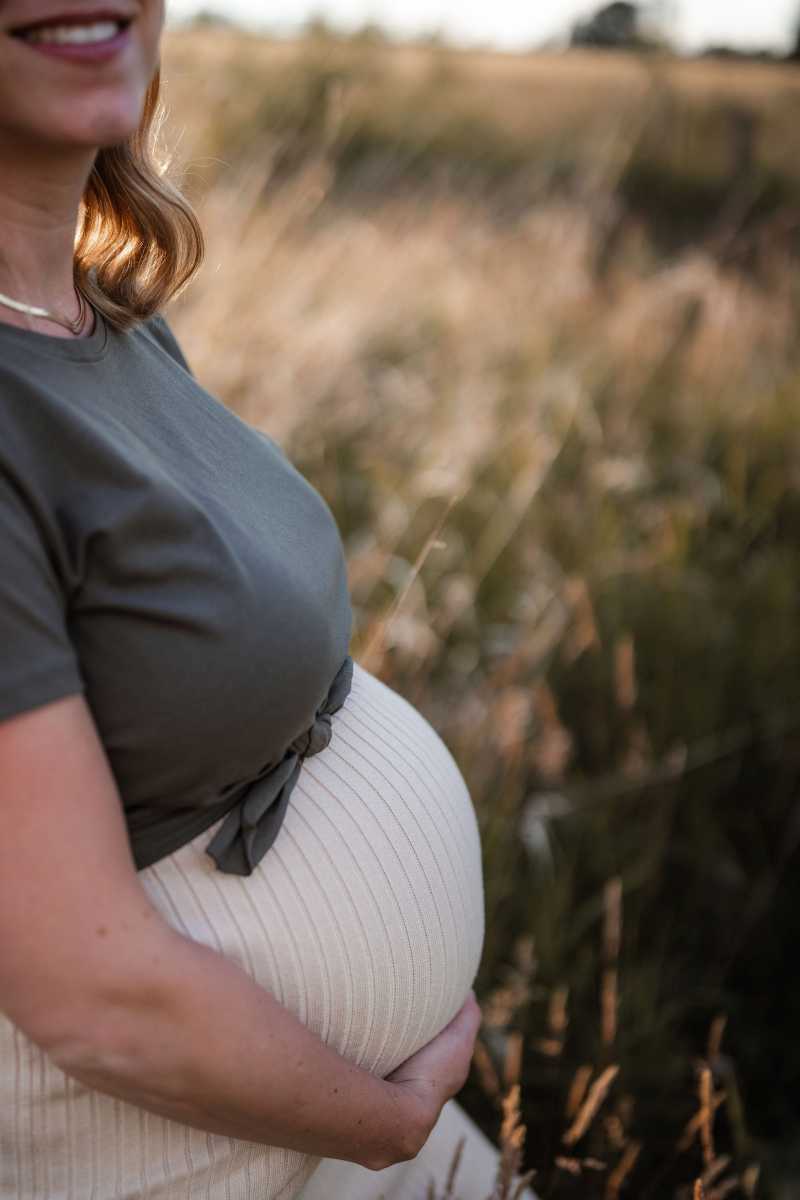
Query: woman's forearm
x=201, y=1043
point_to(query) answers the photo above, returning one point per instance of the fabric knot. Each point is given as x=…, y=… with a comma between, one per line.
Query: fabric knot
x=252, y=825
x=314, y=739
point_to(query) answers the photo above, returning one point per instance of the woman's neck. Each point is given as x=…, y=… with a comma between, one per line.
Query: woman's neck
x=39, y=204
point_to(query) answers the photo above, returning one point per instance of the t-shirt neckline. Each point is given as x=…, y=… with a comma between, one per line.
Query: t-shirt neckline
x=84, y=349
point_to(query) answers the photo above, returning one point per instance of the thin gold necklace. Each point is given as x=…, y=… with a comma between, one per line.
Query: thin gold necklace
x=73, y=326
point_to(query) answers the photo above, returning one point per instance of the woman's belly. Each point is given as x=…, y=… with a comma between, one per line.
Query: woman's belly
x=365, y=918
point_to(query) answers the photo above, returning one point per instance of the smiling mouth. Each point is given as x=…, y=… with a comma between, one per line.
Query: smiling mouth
x=62, y=32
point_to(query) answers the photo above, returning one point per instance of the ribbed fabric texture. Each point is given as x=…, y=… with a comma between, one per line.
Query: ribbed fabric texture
x=365, y=919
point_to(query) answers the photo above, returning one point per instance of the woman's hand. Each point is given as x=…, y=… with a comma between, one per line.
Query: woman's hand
x=435, y=1073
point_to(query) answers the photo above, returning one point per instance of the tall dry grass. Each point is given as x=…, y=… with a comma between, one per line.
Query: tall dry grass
x=588, y=1110
x=531, y=327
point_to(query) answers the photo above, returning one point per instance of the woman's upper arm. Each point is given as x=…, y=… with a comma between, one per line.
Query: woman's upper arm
x=77, y=929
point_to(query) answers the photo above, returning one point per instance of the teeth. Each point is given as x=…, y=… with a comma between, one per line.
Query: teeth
x=75, y=35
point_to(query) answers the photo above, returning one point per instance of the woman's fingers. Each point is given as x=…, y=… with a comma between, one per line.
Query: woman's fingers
x=456, y=1042
x=441, y=1067
x=435, y=1073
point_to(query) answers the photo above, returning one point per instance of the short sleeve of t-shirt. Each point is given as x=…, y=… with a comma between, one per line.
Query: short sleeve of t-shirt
x=38, y=663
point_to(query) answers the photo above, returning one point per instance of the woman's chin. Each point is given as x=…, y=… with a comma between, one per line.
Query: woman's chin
x=96, y=133
x=101, y=117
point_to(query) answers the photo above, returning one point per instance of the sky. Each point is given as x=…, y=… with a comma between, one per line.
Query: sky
x=513, y=24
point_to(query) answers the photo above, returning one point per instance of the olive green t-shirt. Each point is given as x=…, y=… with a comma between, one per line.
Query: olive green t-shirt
x=165, y=559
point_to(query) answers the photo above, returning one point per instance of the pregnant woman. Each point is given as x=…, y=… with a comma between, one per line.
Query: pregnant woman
x=241, y=905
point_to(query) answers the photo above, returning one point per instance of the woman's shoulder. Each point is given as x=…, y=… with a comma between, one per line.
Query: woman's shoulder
x=68, y=407
x=158, y=330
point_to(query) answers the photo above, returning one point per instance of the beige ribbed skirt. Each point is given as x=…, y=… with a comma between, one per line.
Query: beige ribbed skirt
x=365, y=919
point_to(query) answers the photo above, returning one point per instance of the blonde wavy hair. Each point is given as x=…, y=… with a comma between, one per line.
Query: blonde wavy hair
x=138, y=241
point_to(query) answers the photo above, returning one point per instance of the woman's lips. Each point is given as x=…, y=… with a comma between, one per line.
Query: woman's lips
x=83, y=52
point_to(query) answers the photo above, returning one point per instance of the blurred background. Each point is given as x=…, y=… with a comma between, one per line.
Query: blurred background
x=517, y=289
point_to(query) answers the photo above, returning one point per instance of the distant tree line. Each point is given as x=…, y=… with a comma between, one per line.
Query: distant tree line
x=615, y=26
x=623, y=26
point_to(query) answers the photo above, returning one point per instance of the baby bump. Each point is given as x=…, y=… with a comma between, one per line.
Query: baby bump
x=366, y=916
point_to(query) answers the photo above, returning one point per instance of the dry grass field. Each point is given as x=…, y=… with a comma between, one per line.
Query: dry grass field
x=531, y=326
